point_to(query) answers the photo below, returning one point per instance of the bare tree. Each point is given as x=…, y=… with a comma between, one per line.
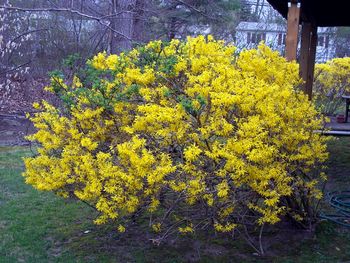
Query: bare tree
x=14, y=64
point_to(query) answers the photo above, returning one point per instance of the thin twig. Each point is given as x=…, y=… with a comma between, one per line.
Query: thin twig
x=72, y=11
x=197, y=10
x=260, y=240
x=15, y=68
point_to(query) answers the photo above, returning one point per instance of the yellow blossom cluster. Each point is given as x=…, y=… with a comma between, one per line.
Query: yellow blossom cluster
x=189, y=134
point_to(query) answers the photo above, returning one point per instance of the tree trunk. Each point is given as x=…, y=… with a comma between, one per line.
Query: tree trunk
x=139, y=35
x=124, y=23
x=111, y=37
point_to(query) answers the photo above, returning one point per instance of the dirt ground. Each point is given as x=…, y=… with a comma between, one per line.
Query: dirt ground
x=14, y=103
x=13, y=129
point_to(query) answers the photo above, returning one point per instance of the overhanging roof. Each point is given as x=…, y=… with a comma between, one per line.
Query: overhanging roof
x=320, y=12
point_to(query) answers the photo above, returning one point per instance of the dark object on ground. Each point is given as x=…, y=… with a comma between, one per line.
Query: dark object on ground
x=341, y=118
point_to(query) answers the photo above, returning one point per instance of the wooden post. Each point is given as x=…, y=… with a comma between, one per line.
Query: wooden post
x=307, y=56
x=304, y=49
x=311, y=64
x=292, y=31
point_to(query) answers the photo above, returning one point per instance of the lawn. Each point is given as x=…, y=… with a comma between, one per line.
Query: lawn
x=41, y=227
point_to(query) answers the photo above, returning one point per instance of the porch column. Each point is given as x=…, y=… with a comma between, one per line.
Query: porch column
x=292, y=30
x=307, y=56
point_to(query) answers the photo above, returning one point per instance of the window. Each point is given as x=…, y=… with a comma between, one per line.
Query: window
x=326, y=44
x=320, y=41
x=323, y=41
x=281, y=39
x=261, y=37
x=255, y=38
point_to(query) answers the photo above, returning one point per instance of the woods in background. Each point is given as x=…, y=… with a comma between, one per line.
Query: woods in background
x=52, y=30
x=36, y=36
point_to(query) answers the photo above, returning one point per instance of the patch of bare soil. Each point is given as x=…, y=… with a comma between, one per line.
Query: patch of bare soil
x=14, y=103
x=13, y=129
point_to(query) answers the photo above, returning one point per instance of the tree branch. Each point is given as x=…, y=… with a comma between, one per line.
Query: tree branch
x=99, y=19
x=13, y=69
x=196, y=10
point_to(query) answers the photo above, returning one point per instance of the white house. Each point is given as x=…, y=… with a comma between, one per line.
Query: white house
x=250, y=34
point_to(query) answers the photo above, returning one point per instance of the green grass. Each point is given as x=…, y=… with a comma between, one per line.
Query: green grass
x=33, y=223
x=41, y=227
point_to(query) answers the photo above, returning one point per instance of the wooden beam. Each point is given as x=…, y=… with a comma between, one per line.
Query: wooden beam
x=292, y=31
x=304, y=49
x=307, y=56
x=311, y=64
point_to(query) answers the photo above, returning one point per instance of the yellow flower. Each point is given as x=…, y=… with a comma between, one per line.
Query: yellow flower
x=186, y=229
x=156, y=227
x=192, y=152
x=76, y=82
x=121, y=228
x=36, y=105
x=88, y=144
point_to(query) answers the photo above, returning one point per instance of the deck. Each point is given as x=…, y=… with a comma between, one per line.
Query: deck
x=336, y=129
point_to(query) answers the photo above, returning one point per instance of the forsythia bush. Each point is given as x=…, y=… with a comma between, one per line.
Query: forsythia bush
x=331, y=82
x=186, y=134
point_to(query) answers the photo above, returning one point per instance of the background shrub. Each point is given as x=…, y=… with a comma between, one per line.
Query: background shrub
x=331, y=83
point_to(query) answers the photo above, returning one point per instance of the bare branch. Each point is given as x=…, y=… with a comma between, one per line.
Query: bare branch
x=99, y=19
x=23, y=34
x=13, y=69
x=196, y=10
